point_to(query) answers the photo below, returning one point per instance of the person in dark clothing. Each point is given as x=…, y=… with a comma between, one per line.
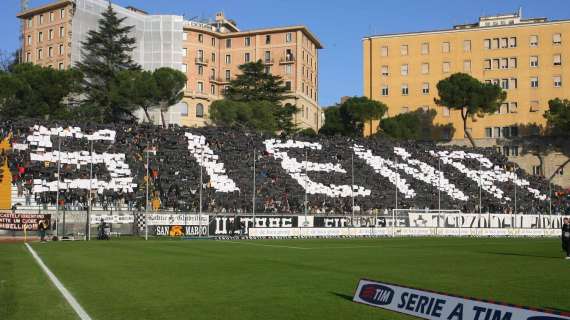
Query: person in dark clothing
x=42, y=228
x=566, y=237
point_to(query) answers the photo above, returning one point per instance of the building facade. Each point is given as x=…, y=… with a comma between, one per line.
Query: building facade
x=209, y=53
x=528, y=58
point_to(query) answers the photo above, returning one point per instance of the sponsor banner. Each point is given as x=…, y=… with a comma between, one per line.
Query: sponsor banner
x=228, y=225
x=434, y=305
x=474, y=220
x=162, y=219
x=180, y=231
x=17, y=221
x=111, y=218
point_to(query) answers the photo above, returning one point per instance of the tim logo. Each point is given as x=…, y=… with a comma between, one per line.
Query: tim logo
x=545, y=318
x=377, y=294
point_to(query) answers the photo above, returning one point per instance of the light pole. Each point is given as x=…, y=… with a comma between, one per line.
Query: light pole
x=253, y=196
x=201, y=187
x=58, y=179
x=352, y=186
x=306, y=179
x=89, y=204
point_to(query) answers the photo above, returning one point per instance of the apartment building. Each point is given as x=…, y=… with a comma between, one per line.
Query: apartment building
x=208, y=52
x=528, y=58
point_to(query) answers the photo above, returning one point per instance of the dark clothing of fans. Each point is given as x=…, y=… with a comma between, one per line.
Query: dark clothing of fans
x=566, y=238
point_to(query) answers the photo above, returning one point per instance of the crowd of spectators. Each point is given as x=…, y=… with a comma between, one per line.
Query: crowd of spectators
x=173, y=179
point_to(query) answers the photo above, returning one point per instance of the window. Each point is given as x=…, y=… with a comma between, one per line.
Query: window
x=504, y=63
x=62, y=13
x=61, y=32
x=405, y=109
x=200, y=87
x=405, y=89
x=288, y=85
x=184, y=52
x=28, y=57
x=496, y=43
x=288, y=37
x=40, y=54
x=200, y=38
x=514, y=131
x=40, y=36
x=61, y=66
x=51, y=16
x=425, y=88
x=504, y=43
x=50, y=34
x=288, y=69
x=560, y=171
x=487, y=43
x=488, y=132
x=513, y=83
x=425, y=68
x=496, y=63
x=533, y=41
x=445, y=47
x=425, y=48
x=200, y=70
x=384, y=51
x=61, y=49
x=556, y=38
x=503, y=109
x=512, y=42
x=200, y=55
x=514, y=151
x=512, y=63
x=247, y=57
x=506, y=151
x=183, y=109
x=537, y=170
x=534, y=82
x=534, y=106
x=212, y=73
x=184, y=68
x=228, y=59
x=487, y=64
x=404, y=50
x=557, y=60
x=534, y=61
x=268, y=39
x=30, y=22
x=446, y=67
x=29, y=40
x=404, y=70
x=247, y=41
x=267, y=56
x=557, y=81
x=228, y=43
x=50, y=52
x=385, y=71
x=213, y=57
x=385, y=90
x=446, y=111
x=185, y=36
x=467, y=45
x=228, y=75
x=513, y=107
x=497, y=132
x=467, y=65
x=199, y=110
x=213, y=89
x=505, y=84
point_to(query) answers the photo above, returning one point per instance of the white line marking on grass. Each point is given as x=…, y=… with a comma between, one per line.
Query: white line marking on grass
x=268, y=245
x=66, y=294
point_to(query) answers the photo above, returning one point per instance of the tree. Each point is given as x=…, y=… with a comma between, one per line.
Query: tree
x=415, y=125
x=558, y=116
x=254, y=85
x=106, y=52
x=473, y=98
x=31, y=91
x=169, y=89
x=333, y=123
x=256, y=115
x=355, y=111
x=135, y=88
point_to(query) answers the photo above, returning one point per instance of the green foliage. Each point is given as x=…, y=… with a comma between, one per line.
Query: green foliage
x=473, y=98
x=107, y=52
x=307, y=132
x=349, y=118
x=169, y=88
x=254, y=87
x=30, y=91
x=257, y=115
x=136, y=89
x=406, y=126
x=558, y=116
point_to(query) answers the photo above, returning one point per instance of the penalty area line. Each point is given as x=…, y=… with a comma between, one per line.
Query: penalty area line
x=66, y=294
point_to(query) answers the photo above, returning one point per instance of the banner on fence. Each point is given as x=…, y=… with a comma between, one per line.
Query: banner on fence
x=17, y=221
x=434, y=305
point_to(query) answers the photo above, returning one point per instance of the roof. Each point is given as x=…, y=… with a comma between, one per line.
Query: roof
x=44, y=8
x=388, y=35
x=309, y=34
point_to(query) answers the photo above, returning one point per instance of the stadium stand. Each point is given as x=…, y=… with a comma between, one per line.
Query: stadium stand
x=378, y=169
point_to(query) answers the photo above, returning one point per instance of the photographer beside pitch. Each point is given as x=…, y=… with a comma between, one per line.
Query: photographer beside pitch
x=566, y=237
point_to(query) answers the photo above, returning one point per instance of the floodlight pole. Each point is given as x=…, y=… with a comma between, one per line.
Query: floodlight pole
x=480, y=193
x=58, y=179
x=397, y=180
x=201, y=186
x=89, y=204
x=439, y=189
x=550, y=198
x=253, y=196
x=352, y=186
x=146, y=200
x=306, y=179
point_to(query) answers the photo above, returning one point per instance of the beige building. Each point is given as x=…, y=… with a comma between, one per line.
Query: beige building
x=209, y=53
x=527, y=57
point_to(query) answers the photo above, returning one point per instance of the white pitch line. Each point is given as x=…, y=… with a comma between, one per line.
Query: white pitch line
x=66, y=294
x=268, y=245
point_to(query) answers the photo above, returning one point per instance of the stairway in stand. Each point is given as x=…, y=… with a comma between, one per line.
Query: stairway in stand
x=6, y=180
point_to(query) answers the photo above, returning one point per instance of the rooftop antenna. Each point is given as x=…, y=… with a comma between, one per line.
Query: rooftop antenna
x=520, y=12
x=24, y=5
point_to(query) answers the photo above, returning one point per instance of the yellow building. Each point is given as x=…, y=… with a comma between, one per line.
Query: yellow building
x=526, y=57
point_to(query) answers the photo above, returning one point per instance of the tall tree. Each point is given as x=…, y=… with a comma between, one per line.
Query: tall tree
x=31, y=91
x=135, y=89
x=470, y=96
x=169, y=89
x=355, y=111
x=333, y=123
x=558, y=116
x=106, y=52
x=256, y=115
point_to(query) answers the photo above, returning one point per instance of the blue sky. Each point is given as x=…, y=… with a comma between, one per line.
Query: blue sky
x=339, y=24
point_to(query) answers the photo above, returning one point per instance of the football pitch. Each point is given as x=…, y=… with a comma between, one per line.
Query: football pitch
x=272, y=279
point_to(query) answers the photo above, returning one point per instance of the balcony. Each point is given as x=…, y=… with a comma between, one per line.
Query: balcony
x=268, y=62
x=201, y=61
x=287, y=60
x=219, y=80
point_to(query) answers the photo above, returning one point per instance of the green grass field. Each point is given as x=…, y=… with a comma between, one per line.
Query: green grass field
x=272, y=279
